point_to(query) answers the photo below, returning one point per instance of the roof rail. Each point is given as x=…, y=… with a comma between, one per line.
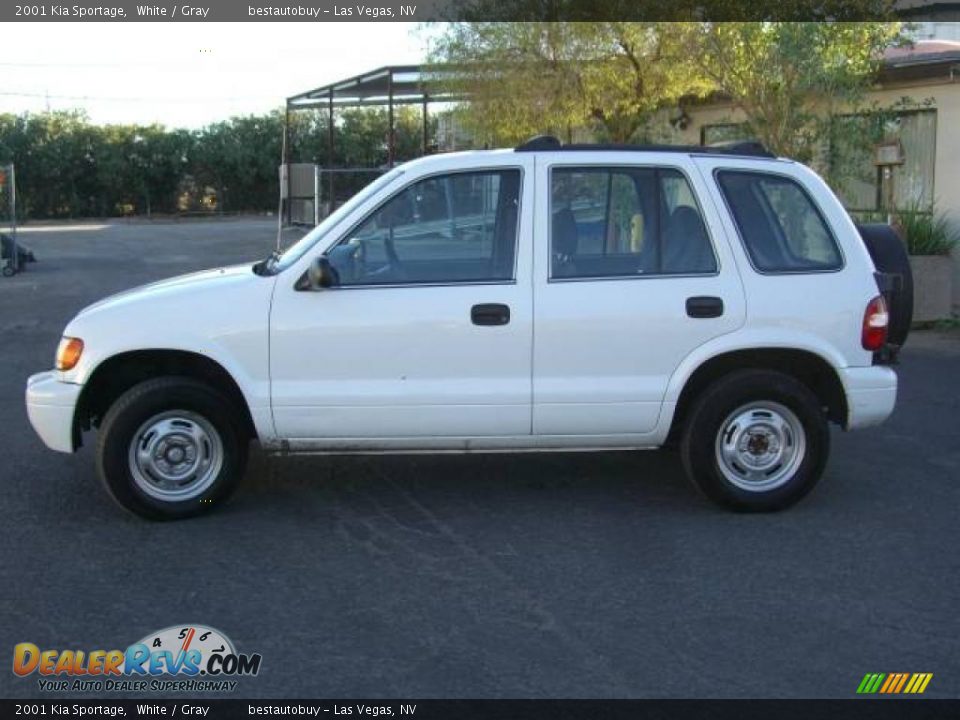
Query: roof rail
x=741, y=147
x=539, y=142
x=748, y=148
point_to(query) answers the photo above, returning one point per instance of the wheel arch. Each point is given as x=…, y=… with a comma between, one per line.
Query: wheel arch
x=809, y=367
x=118, y=373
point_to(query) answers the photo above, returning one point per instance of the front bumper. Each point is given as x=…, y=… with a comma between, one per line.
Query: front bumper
x=871, y=395
x=50, y=406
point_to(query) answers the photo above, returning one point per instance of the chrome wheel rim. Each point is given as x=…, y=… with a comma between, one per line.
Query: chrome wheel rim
x=175, y=456
x=760, y=446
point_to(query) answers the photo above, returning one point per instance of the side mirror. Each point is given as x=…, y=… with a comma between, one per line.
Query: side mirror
x=319, y=276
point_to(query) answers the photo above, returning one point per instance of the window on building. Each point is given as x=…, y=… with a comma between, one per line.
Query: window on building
x=860, y=184
x=723, y=132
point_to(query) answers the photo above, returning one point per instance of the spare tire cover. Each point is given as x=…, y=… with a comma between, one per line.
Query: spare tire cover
x=890, y=256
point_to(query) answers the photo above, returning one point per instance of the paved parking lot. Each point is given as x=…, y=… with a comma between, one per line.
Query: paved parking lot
x=485, y=576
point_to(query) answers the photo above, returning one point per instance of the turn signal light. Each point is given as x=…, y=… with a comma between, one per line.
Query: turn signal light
x=68, y=353
x=876, y=321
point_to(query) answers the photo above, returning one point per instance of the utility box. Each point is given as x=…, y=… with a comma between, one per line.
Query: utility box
x=299, y=190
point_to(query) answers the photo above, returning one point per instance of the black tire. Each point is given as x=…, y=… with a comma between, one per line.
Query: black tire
x=151, y=399
x=699, y=446
x=889, y=254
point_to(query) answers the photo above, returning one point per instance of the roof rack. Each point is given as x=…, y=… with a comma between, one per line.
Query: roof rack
x=748, y=148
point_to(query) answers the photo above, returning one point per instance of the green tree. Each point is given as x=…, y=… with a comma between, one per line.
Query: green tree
x=527, y=78
x=239, y=158
x=790, y=79
x=520, y=78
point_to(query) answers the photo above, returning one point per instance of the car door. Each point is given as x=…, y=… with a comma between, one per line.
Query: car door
x=425, y=342
x=633, y=273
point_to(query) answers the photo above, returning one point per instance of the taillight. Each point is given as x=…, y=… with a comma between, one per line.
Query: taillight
x=876, y=320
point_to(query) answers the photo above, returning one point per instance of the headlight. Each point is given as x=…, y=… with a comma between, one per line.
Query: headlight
x=68, y=353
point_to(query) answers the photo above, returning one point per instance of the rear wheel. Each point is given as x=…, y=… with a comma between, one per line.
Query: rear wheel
x=756, y=440
x=170, y=448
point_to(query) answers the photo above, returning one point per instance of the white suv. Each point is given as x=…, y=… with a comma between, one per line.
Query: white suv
x=543, y=298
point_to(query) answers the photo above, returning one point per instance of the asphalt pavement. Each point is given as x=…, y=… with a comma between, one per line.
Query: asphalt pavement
x=486, y=576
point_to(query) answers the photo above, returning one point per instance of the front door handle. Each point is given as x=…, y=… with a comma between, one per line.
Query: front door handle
x=704, y=306
x=490, y=314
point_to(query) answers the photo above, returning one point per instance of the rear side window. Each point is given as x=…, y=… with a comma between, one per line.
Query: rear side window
x=781, y=228
x=625, y=222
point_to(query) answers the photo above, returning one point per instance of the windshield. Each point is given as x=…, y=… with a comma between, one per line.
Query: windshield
x=297, y=250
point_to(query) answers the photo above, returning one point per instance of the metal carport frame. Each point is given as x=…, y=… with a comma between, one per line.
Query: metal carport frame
x=387, y=86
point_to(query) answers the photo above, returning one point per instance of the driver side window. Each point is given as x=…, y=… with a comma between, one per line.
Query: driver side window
x=459, y=227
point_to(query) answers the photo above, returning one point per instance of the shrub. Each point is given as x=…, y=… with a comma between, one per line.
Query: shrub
x=926, y=231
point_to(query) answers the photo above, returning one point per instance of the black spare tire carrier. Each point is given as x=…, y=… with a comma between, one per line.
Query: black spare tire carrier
x=894, y=280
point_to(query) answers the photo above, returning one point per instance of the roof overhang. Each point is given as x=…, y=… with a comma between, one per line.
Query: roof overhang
x=396, y=84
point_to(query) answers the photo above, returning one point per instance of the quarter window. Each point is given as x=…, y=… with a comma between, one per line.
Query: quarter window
x=781, y=227
x=460, y=227
x=625, y=222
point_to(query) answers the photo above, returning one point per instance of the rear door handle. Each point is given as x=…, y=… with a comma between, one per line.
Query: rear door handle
x=490, y=314
x=704, y=306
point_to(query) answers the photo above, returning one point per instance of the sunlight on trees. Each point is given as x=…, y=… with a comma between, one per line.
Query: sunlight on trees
x=611, y=78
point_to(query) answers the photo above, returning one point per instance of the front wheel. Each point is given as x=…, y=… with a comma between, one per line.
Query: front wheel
x=170, y=448
x=756, y=440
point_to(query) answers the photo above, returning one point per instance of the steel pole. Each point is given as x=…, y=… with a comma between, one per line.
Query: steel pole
x=390, y=141
x=330, y=129
x=426, y=126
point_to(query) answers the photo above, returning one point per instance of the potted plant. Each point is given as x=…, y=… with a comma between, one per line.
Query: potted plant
x=929, y=236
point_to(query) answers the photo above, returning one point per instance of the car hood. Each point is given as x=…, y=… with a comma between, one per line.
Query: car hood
x=175, y=286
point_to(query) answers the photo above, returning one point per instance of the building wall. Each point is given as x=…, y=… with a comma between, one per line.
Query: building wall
x=945, y=98
x=938, y=30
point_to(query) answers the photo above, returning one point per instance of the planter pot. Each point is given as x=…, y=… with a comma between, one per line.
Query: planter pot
x=932, y=287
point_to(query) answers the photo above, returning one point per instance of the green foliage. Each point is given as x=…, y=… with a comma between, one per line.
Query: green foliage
x=527, y=78
x=69, y=167
x=790, y=79
x=678, y=10
x=926, y=231
x=786, y=77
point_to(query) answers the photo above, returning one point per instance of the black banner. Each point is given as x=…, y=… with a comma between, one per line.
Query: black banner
x=862, y=709
x=448, y=10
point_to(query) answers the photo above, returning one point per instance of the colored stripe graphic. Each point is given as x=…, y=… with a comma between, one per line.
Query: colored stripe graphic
x=903, y=681
x=918, y=683
x=894, y=683
x=870, y=683
x=892, y=679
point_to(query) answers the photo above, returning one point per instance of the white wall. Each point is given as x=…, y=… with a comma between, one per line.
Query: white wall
x=937, y=31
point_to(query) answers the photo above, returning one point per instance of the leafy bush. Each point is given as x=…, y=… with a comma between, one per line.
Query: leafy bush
x=926, y=231
x=68, y=167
